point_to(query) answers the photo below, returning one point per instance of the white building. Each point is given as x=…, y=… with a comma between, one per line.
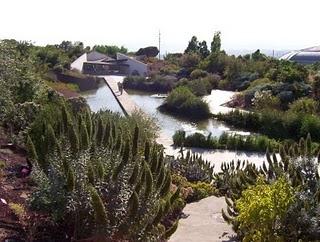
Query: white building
x=95, y=63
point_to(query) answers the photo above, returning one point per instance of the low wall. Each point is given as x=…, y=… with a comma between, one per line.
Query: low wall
x=86, y=83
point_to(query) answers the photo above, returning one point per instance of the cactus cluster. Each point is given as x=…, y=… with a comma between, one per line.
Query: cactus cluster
x=108, y=181
x=192, y=167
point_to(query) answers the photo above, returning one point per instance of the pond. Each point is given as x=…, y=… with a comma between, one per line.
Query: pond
x=102, y=98
x=169, y=124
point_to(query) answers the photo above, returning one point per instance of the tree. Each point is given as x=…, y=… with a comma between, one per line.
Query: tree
x=110, y=50
x=193, y=46
x=316, y=87
x=216, y=43
x=190, y=60
x=150, y=51
x=203, y=49
x=258, y=56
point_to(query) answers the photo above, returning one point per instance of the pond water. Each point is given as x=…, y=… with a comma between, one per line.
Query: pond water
x=169, y=124
x=102, y=98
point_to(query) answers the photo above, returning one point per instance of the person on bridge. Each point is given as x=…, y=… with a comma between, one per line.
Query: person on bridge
x=120, y=88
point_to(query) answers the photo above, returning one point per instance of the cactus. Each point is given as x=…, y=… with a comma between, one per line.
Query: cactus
x=51, y=140
x=135, y=186
x=70, y=180
x=133, y=204
x=74, y=140
x=134, y=176
x=166, y=186
x=107, y=131
x=147, y=151
x=171, y=230
x=100, y=213
x=66, y=119
x=100, y=132
x=161, y=177
x=123, y=162
x=90, y=174
x=149, y=182
x=84, y=136
x=100, y=170
x=227, y=217
x=135, y=141
x=32, y=153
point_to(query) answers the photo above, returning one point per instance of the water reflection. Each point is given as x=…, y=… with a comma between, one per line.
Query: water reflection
x=102, y=99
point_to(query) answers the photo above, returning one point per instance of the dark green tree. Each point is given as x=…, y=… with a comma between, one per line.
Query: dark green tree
x=216, y=43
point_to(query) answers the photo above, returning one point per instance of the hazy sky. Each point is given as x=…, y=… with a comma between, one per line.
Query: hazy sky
x=245, y=24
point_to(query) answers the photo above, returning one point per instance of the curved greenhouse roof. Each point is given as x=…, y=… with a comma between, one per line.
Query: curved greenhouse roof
x=304, y=56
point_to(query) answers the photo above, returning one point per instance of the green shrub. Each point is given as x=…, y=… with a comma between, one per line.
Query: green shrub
x=195, y=191
x=198, y=73
x=305, y=106
x=17, y=209
x=200, y=190
x=157, y=83
x=223, y=84
x=310, y=125
x=275, y=124
x=225, y=141
x=182, y=101
x=261, y=208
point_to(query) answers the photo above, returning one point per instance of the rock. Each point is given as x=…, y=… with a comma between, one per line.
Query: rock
x=204, y=223
x=24, y=195
x=3, y=201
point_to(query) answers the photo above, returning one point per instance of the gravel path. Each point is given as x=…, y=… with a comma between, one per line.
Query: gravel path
x=204, y=223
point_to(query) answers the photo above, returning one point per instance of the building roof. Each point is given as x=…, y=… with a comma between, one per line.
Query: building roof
x=312, y=49
x=303, y=56
x=95, y=55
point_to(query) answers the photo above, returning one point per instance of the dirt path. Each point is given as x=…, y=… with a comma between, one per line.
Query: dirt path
x=204, y=223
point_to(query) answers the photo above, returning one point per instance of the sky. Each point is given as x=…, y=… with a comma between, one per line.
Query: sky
x=244, y=24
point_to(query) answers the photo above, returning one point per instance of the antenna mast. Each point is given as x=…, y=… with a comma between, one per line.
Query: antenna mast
x=159, y=45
